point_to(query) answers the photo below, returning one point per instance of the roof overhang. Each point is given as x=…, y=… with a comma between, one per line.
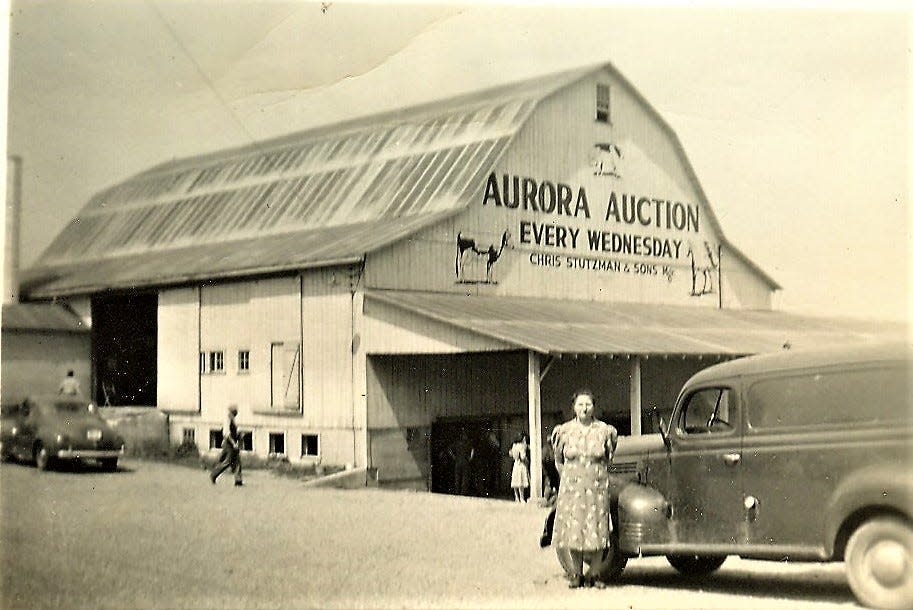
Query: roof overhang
x=551, y=326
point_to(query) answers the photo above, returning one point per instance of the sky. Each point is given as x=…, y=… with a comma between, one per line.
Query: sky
x=797, y=121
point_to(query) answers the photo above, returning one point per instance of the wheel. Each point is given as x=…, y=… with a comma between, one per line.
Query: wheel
x=696, y=565
x=613, y=564
x=43, y=458
x=879, y=563
x=108, y=464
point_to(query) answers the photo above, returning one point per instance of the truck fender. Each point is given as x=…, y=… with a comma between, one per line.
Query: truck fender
x=643, y=516
x=868, y=491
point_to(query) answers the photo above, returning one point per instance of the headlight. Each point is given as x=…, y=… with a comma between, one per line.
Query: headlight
x=63, y=439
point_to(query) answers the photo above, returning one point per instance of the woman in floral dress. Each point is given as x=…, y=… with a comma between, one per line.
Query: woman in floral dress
x=584, y=447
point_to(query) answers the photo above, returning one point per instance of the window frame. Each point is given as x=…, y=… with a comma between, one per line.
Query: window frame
x=603, y=110
x=209, y=359
x=243, y=362
x=273, y=435
x=681, y=414
x=304, y=445
x=216, y=433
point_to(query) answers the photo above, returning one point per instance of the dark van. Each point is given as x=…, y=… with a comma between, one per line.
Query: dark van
x=798, y=456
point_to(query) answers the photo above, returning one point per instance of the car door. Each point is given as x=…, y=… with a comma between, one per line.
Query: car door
x=705, y=468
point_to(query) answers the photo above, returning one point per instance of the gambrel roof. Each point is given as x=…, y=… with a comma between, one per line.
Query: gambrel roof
x=315, y=198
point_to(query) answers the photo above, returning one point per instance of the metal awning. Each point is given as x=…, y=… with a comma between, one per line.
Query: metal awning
x=552, y=326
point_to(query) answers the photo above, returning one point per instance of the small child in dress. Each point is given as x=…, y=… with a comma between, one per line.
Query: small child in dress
x=519, y=476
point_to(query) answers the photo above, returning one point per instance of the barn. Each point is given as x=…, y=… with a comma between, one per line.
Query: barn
x=365, y=291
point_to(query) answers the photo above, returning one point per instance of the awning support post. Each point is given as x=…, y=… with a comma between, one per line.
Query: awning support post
x=535, y=426
x=635, y=396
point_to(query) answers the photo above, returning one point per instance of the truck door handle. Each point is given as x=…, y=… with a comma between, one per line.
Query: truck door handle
x=732, y=459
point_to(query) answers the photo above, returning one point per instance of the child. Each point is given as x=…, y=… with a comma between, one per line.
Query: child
x=519, y=477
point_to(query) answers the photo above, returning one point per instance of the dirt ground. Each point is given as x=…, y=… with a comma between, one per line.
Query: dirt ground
x=154, y=535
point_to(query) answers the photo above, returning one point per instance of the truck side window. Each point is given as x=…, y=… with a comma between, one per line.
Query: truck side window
x=706, y=411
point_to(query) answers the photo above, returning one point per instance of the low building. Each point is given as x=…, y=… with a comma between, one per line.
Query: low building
x=41, y=343
x=365, y=290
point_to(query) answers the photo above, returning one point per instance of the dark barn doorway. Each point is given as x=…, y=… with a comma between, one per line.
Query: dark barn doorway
x=488, y=473
x=124, y=349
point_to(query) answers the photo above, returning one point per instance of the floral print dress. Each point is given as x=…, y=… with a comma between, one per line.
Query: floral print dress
x=582, y=520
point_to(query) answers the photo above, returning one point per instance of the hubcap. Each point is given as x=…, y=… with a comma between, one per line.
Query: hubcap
x=889, y=563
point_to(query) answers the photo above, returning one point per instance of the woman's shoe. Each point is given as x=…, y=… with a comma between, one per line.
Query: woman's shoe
x=575, y=582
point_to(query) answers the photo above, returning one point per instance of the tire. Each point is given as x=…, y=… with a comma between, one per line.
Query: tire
x=696, y=565
x=43, y=459
x=108, y=464
x=613, y=564
x=879, y=563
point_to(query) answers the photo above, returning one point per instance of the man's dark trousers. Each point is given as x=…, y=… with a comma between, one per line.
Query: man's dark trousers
x=229, y=458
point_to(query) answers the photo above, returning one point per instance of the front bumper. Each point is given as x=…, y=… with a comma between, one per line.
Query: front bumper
x=74, y=454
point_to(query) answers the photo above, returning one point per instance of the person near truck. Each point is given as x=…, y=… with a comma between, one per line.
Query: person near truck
x=584, y=447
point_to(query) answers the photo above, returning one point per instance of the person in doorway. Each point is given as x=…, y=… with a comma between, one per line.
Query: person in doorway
x=231, y=450
x=584, y=448
x=462, y=452
x=70, y=385
x=486, y=464
x=519, y=476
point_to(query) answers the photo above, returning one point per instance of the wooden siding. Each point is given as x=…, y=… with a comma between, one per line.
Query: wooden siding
x=248, y=316
x=178, y=383
x=558, y=144
x=742, y=285
x=326, y=311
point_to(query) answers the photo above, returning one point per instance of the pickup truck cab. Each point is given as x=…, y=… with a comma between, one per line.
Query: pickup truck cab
x=798, y=456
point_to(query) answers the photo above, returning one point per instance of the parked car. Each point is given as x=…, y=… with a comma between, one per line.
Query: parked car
x=796, y=456
x=48, y=429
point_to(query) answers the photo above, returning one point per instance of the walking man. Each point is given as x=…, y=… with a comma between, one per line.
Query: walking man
x=231, y=450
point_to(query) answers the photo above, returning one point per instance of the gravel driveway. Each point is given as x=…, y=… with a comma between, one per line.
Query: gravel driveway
x=160, y=536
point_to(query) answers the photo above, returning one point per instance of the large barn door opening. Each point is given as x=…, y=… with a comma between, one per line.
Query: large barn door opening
x=124, y=349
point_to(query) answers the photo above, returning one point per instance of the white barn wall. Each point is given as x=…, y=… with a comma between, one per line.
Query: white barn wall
x=742, y=286
x=314, y=310
x=557, y=145
x=178, y=383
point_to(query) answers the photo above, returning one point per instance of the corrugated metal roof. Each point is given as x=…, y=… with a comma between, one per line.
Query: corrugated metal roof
x=336, y=182
x=584, y=327
x=407, y=163
x=41, y=317
x=285, y=252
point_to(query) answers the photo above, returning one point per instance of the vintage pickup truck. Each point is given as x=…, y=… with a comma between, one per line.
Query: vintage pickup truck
x=798, y=456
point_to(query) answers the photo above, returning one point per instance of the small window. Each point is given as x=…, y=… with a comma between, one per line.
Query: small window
x=215, y=438
x=310, y=445
x=216, y=362
x=243, y=361
x=212, y=362
x=836, y=398
x=277, y=443
x=603, y=104
x=246, y=438
x=189, y=436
